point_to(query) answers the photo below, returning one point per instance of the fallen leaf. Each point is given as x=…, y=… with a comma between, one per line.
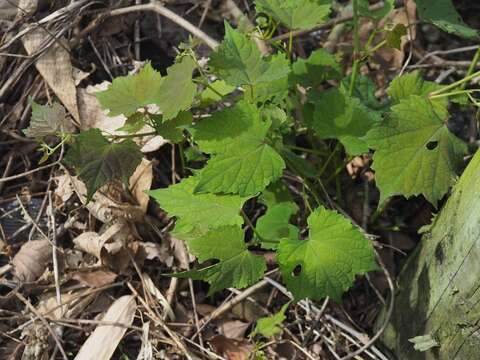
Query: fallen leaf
x=32, y=259
x=233, y=329
x=64, y=189
x=140, y=181
x=55, y=67
x=101, y=344
x=230, y=348
x=95, y=244
x=95, y=278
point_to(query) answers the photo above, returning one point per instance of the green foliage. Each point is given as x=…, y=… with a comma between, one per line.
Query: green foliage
x=296, y=14
x=99, y=161
x=236, y=267
x=239, y=62
x=199, y=212
x=260, y=134
x=415, y=153
x=270, y=325
x=443, y=14
x=326, y=264
x=342, y=117
x=319, y=66
x=275, y=224
x=127, y=94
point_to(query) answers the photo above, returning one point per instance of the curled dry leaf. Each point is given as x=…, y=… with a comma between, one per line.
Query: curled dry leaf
x=101, y=344
x=55, y=67
x=140, y=181
x=32, y=259
x=95, y=244
x=155, y=292
x=231, y=349
x=94, y=278
x=233, y=329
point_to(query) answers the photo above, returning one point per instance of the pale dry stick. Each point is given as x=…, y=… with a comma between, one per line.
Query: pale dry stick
x=410, y=35
x=137, y=34
x=204, y=13
x=434, y=54
x=30, y=219
x=18, y=176
x=8, y=167
x=350, y=330
x=326, y=25
x=212, y=354
x=160, y=322
x=305, y=352
x=158, y=8
x=45, y=322
x=56, y=274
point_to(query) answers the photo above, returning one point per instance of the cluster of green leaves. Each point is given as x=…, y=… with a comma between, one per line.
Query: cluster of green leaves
x=247, y=103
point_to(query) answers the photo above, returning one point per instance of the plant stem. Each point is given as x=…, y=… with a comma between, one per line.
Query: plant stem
x=298, y=148
x=356, y=44
x=290, y=45
x=453, y=93
x=129, y=136
x=472, y=66
x=455, y=84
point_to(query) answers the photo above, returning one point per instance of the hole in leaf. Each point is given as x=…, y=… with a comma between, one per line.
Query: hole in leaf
x=297, y=270
x=432, y=145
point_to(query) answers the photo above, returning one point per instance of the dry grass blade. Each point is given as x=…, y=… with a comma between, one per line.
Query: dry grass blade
x=32, y=260
x=101, y=344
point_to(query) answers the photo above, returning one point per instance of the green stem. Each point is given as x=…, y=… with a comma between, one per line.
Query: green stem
x=356, y=44
x=298, y=148
x=375, y=48
x=129, y=136
x=447, y=88
x=250, y=225
x=472, y=66
x=453, y=93
x=290, y=45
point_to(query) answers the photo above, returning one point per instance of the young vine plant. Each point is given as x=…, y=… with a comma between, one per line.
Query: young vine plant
x=239, y=116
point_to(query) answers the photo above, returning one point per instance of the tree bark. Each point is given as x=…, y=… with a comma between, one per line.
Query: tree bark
x=439, y=287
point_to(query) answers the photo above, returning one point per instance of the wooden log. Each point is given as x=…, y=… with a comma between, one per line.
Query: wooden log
x=439, y=287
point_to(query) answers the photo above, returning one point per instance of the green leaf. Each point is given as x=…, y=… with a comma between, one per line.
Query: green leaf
x=275, y=91
x=364, y=9
x=177, y=91
x=345, y=118
x=270, y=325
x=320, y=66
x=216, y=91
x=298, y=164
x=296, y=14
x=364, y=90
x=98, y=161
x=126, y=94
x=415, y=152
x=133, y=124
x=242, y=162
x=274, y=194
x=172, y=130
x=198, y=212
x=443, y=14
x=239, y=62
x=394, y=36
x=326, y=264
x=245, y=170
x=237, y=266
x=228, y=127
x=275, y=224
x=48, y=120
x=410, y=84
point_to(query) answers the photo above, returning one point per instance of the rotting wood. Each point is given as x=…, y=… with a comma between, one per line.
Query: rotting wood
x=438, y=292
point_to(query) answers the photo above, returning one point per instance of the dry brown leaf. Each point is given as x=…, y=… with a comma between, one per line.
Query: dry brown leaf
x=230, y=348
x=95, y=278
x=95, y=244
x=104, y=205
x=55, y=67
x=101, y=344
x=64, y=189
x=32, y=259
x=140, y=181
x=156, y=293
x=48, y=305
x=233, y=329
